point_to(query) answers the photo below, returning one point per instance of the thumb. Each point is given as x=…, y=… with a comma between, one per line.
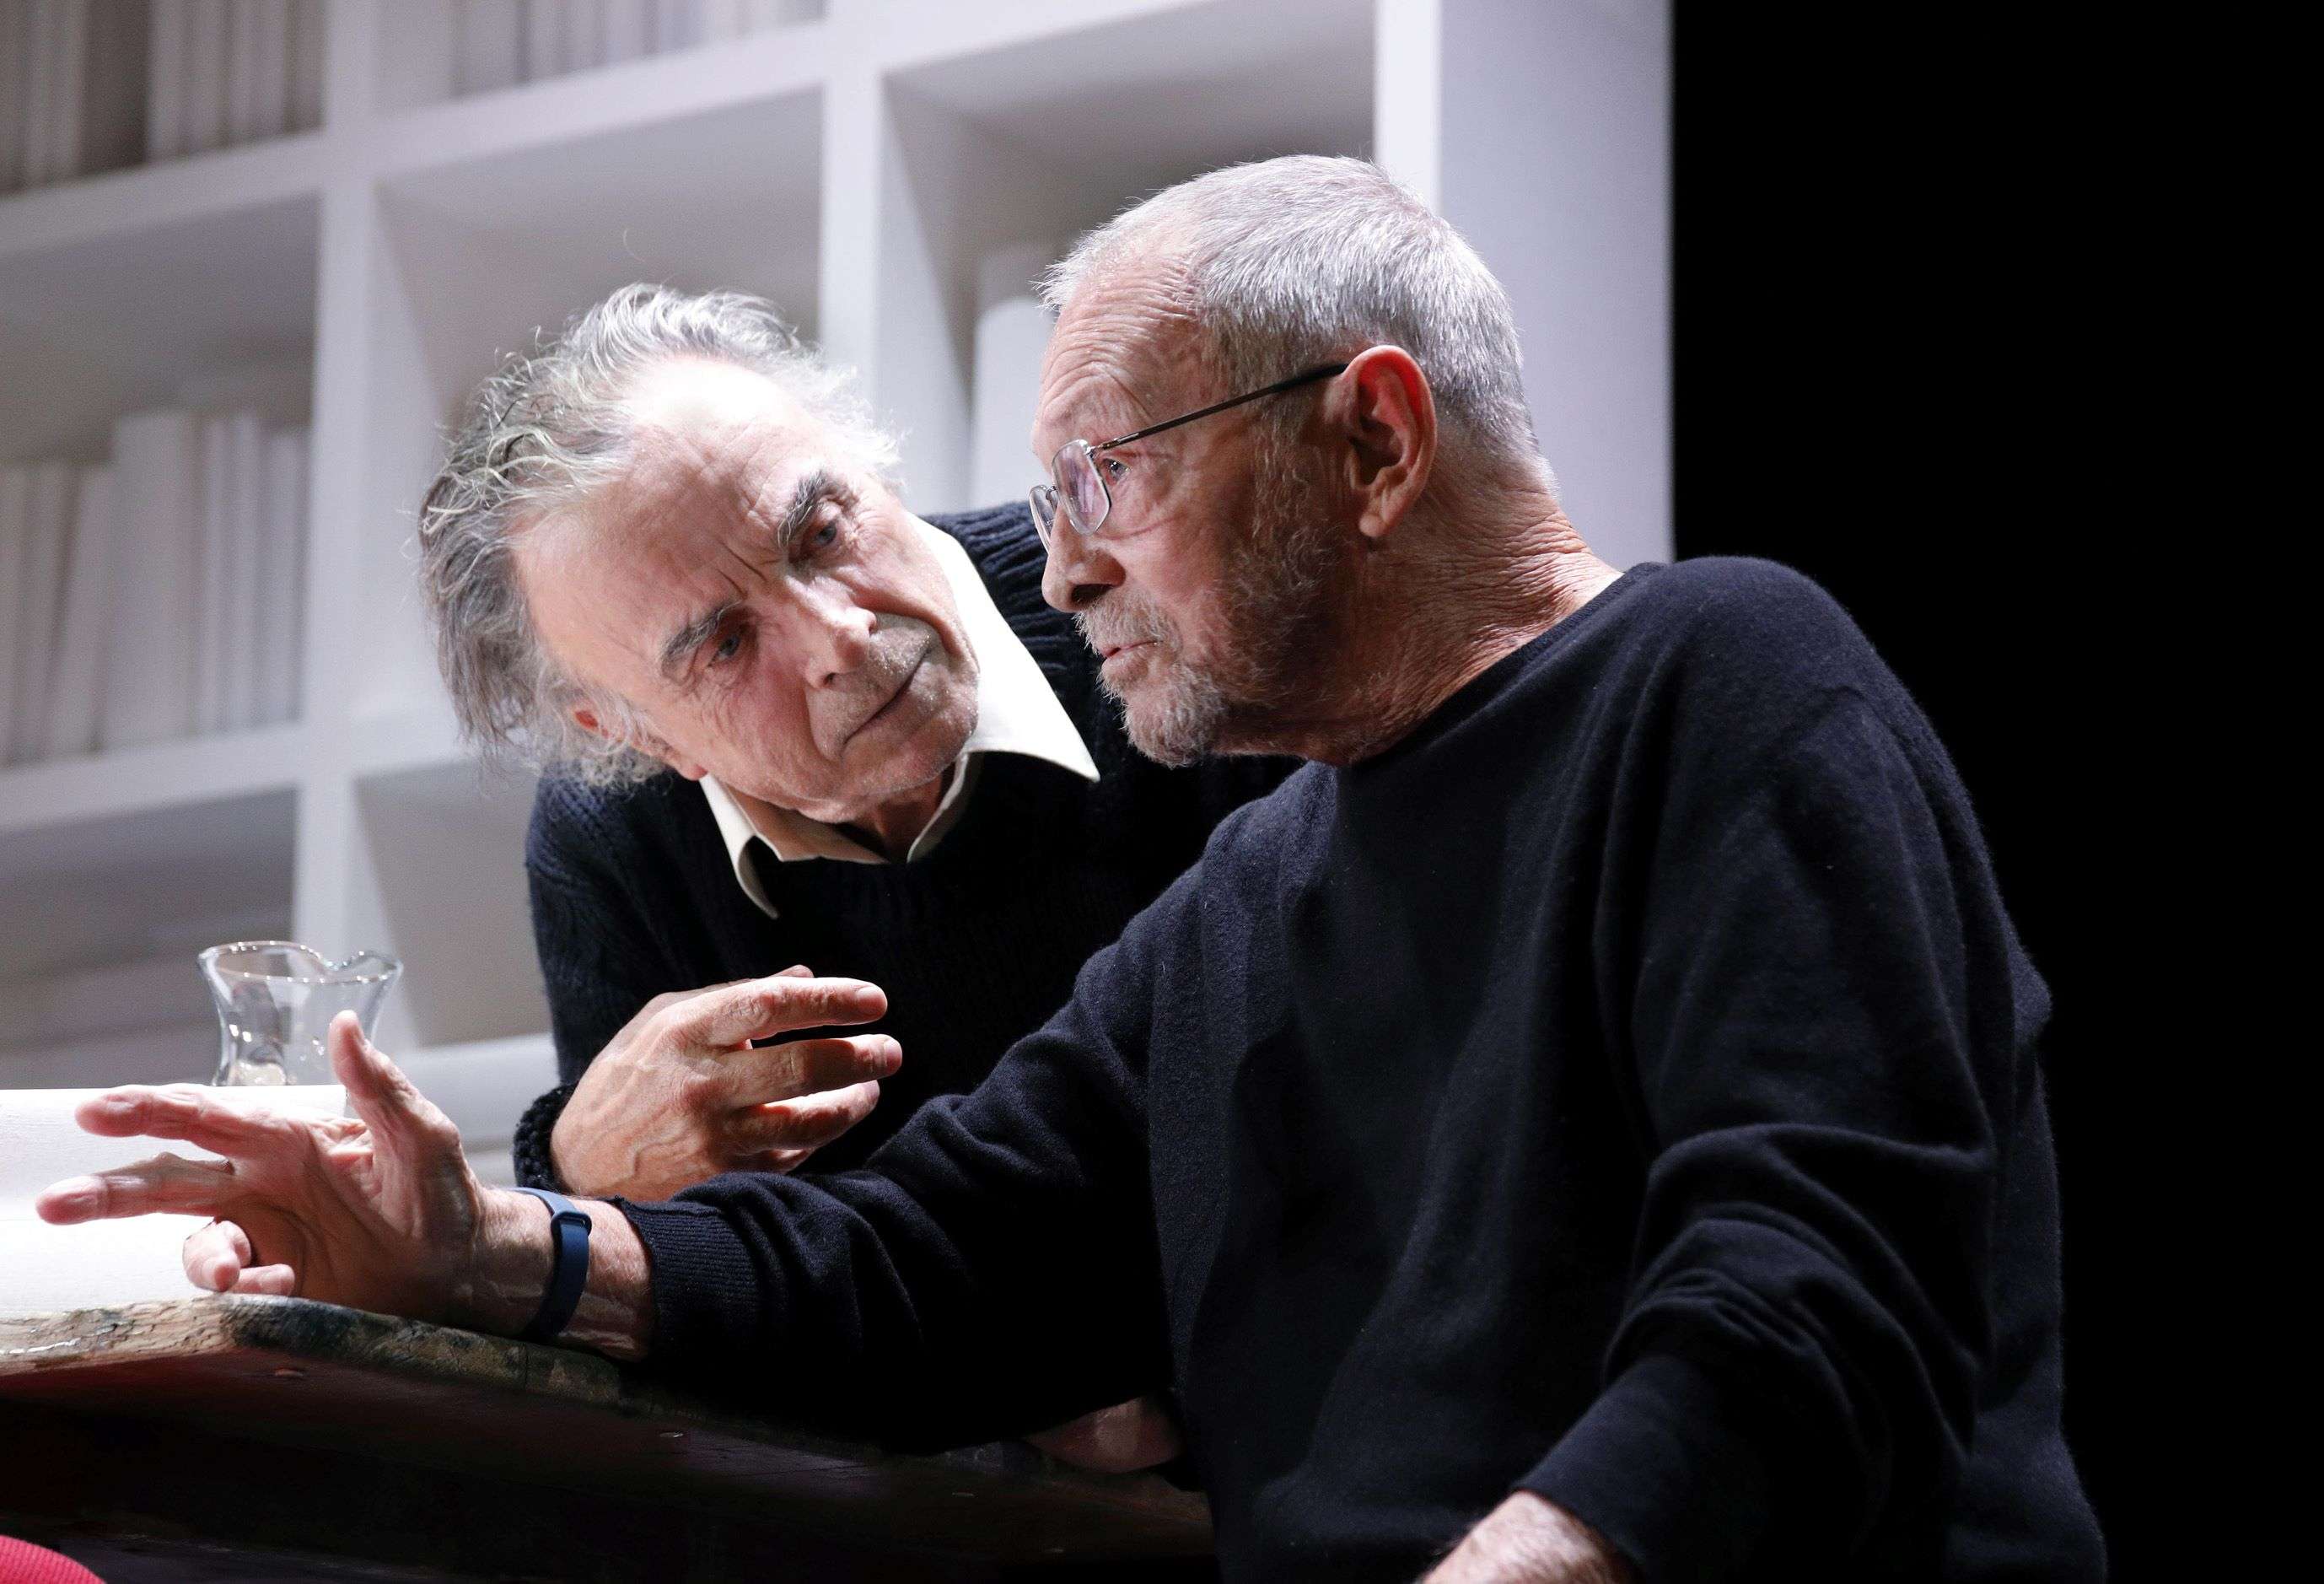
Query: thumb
x=376, y=1088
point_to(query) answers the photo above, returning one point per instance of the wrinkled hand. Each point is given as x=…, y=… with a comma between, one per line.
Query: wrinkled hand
x=680, y=1094
x=377, y=1212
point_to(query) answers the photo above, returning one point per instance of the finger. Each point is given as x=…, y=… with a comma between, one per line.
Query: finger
x=379, y=1093
x=804, y=1067
x=279, y=1279
x=163, y=1184
x=797, y=971
x=215, y=1255
x=807, y=1122
x=182, y=1111
x=674, y=997
x=724, y=1019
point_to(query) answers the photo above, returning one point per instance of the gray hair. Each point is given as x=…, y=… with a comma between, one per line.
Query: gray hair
x=541, y=436
x=1307, y=259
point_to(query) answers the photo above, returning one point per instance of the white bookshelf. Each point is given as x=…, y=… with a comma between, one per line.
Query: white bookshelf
x=855, y=164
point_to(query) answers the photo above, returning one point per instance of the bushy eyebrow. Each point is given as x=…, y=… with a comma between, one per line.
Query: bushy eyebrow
x=814, y=487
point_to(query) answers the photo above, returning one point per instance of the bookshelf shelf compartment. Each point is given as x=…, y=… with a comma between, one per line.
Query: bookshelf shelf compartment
x=169, y=314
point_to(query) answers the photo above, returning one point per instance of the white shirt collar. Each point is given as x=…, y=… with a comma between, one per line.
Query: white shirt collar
x=1016, y=713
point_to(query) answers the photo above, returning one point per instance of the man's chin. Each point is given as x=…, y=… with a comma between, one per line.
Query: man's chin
x=1172, y=725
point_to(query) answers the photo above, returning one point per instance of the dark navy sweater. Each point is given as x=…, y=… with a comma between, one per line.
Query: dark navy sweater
x=975, y=942
x=1624, y=1088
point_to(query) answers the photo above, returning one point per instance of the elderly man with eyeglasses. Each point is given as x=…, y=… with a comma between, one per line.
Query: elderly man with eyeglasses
x=1585, y=1125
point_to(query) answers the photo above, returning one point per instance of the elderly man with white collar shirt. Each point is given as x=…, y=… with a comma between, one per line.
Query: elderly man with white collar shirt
x=789, y=726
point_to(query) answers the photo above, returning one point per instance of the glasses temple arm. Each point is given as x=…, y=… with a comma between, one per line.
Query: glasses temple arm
x=1304, y=376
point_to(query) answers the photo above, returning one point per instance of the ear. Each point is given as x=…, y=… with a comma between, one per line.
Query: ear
x=587, y=719
x=1390, y=417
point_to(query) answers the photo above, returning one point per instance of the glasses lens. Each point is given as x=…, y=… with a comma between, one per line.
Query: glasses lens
x=1044, y=498
x=1086, y=500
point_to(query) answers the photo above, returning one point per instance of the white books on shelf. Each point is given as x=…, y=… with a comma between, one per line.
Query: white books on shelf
x=216, y=519
x=627, y=27
x=306, y=24
x=39, y=587
x=166, y=61
x=38, y=112
x=723, y=20
x=258, y=68
x=110, y=132
x=585, y=34
x=246, y=550
x=16, y=524
x=758, y=14
x=676, y=23
x=100, y=1264
x=282, y=583
x=15, y=67
x=487, y=46
x=205, y=83
x=1012, y=332
x=273, y=70
x=68, y=71
x=149, y=661
x=544, y=39
x=77, y=684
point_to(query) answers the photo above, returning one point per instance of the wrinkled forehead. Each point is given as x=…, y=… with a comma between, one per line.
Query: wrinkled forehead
x=713, y=454
x=699, y=423
x=1127, y=352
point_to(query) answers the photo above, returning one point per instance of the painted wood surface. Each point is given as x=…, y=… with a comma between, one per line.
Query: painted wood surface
x=277, y=1394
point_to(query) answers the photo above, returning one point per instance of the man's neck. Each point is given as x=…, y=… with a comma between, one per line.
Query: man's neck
x=1419, y=635
x=890, y=829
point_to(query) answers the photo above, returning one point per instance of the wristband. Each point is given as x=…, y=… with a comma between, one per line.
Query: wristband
x=568, y=1265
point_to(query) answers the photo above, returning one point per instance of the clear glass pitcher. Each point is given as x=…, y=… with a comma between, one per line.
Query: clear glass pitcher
x=275, y=1001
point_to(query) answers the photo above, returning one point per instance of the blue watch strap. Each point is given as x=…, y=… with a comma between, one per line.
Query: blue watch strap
x=568, y=1265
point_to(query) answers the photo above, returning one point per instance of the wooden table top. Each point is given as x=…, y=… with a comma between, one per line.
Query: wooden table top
x=292, y=1373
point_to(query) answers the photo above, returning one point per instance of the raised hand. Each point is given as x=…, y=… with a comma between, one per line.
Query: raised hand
x=680, y=1094
x=377, y=1212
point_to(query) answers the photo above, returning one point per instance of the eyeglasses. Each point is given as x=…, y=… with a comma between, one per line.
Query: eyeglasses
x=1078, y=489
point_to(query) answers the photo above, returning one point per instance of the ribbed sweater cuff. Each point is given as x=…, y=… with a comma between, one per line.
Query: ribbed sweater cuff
x=1673, y=1466
x=536, y=1166
x=711, y=1301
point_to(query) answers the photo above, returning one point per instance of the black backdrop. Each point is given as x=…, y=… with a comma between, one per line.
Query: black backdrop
x=1882, y=318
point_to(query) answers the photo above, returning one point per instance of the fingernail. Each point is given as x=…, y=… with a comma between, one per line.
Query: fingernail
x=75, y=1195
x=866, y=998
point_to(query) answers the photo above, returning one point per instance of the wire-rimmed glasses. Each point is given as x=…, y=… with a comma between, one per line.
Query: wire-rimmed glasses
x=1077, y=485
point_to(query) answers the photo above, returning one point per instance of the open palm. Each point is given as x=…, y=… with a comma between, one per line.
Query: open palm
x=379, y=1210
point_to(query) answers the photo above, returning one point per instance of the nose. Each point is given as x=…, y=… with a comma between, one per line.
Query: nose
x=834, y=634
x=1079, y=569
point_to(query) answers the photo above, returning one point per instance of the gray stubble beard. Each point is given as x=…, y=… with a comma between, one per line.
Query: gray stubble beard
x=1277, y=580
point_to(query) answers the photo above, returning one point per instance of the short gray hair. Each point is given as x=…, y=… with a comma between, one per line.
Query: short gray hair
x=1305, y=260
x=543, y=434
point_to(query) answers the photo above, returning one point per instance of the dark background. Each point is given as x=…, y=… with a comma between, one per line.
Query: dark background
x=1892, y=337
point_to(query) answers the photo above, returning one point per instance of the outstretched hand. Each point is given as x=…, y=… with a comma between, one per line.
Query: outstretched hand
x=681, y=1094
x=377, y=1212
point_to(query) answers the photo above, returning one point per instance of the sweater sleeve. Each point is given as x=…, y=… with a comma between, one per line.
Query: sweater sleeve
x=1823, y=1040
x=992, y=1269
x=598, y=961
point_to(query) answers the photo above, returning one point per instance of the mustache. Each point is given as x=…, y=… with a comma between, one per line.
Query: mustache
x=1112, y=625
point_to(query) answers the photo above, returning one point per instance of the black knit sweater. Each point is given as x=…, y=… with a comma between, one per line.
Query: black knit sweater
x=975, y=943
x=1624, y=1088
